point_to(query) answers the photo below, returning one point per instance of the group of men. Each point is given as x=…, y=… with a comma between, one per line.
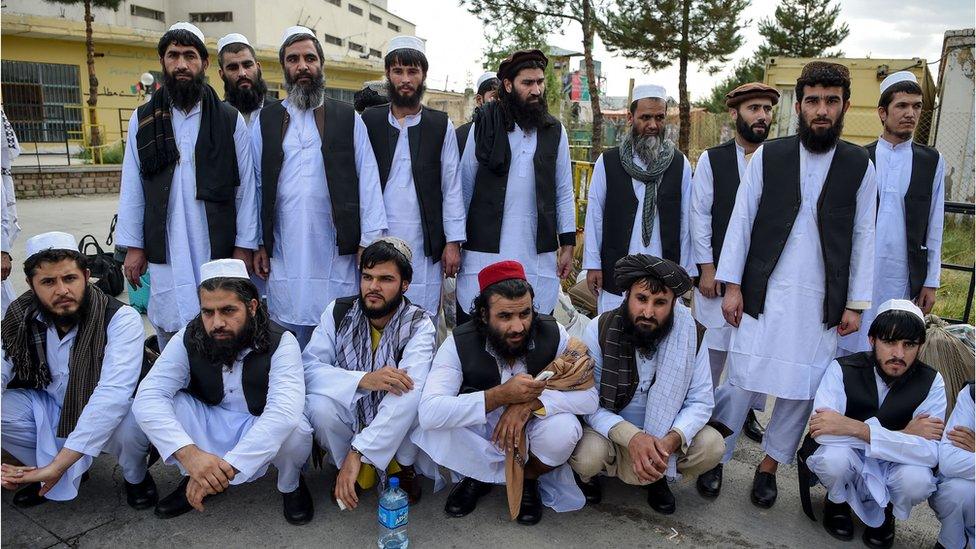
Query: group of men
x=296, y=252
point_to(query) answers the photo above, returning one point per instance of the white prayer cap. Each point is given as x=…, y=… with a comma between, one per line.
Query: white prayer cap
x=292, y=31
x=223, y=268
x=183, y=25
x=650, y=91
x=901, y=305
x=400, y=245
x=896, y=77
x=232, y=38
x=484, y=78
x=54, y=240
x=406, y=43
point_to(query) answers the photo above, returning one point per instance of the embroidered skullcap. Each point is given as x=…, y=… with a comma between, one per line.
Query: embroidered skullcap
x=501, y=271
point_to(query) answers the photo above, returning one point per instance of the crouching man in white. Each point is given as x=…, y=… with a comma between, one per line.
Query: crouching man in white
x=225, y=398
x=953, y=500
x=875, y=430
x=71, y=361
x=365, y=368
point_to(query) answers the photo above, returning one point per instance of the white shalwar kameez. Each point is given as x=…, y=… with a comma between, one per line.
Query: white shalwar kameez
x=519, y=223
x=953, y=500
x=894, y=467
x=894, y=173
x=173, y=299
x=9, y=229
x=307, y=272
x=785, y=351
x=403, y=211
x=596, y=208
x=455, y=430
x=172, y=418
x=30, y=417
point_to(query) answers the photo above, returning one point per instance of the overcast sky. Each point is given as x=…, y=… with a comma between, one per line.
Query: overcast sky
x=879, y=29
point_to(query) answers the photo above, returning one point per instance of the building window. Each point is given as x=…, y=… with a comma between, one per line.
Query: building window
x=334, y=40
x=376, y=19
x=355, y=9
x=356, y=47
x=335, y=2
x=140, y=11
x=393, y=26
x=212, y=17
x=42, y=100
x=375, y=53
x=273, y=89
x=347, y=96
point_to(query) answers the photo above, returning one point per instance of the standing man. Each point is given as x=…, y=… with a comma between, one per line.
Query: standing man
x=716, y=180
x=244, y=85
x=320, y=191
x=518, y=185
x=188, y=193
x=9, y=229
x=487, y=91
x=797, y=261
x=639, y=200
x=417, y=157
x=911, y=205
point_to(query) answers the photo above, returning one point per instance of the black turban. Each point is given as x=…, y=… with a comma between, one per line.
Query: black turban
x=631, y=268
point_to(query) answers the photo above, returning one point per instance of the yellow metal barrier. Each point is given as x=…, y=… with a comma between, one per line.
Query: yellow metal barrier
x=582, y=173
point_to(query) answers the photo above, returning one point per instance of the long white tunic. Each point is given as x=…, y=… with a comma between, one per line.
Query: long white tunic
x=518, y=234
x=596, y=209
x=708, y=311
x=894, y=173
x=257, y=438
x=9, y=229
x=307, y=272
x=785, y=351
x=953, y=500
x=403, y=211
x=173, y=300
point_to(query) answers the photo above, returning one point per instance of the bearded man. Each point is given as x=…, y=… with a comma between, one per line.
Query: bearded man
x=486, y=91
x=639, y=200
x=244, y=85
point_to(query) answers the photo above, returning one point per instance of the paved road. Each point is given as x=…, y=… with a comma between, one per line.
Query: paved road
x=251, y=515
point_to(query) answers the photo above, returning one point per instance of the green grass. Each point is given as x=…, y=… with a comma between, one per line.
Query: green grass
x=111, y=154
x=957, y=248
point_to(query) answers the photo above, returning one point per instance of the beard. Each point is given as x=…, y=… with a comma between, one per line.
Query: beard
x=305, y=96
x=246, y=100
x=820, y=142
x=404, y=101
x=224, y=351
x=511, y=352
x=64, y=320
x=748, y=133
x=184, y=94
x=528, y=115
x=646, y=340
x=646, y=147
x=382, y=310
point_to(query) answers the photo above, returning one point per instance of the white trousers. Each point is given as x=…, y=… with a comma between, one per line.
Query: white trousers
x=716, y=363
x=953, y=503
x=783, y=432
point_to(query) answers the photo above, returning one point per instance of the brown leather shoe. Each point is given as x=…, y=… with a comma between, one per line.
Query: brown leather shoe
x=409, y=483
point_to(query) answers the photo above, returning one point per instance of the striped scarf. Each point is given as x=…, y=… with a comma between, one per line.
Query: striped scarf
x=651, y=177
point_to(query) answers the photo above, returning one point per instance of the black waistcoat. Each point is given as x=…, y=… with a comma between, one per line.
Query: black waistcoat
x=778, y=208
x=480, y=370
x=725, y=183
x=462, y=132
x=207, y=380
x=426, y=141
x=487, y=208
x=620, y=213
x=336, y=123
x=918, y=203
x=218, y=198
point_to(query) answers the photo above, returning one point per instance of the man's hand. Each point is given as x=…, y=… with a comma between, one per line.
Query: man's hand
x=134, y=266
x=828, y=422
x=48, y=476
x=387, y=378
x=564, y=265
x=649, y=462
x=207, y=469
x=594, y=281
x=262, y=265
x=732, y=304
x=707, y=284
x=451, y=259
x=12, y=476
x=345, y=488
x=925, y=426
x=6, y=265
x=508, y=431
x=849, y=323
x=195, y=492
x=245, y=255
x=963, y=437
x=926, y=299
x=518, y=389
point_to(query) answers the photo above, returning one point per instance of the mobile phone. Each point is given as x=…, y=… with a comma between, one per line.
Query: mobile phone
x=545, y=375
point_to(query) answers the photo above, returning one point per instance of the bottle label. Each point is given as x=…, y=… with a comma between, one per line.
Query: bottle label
x=393, y=518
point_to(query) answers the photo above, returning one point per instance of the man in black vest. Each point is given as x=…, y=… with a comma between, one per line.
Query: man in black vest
x=418, y=160
x=320, y=191
x=518, y=181
x=187, y=194
x=713, y=189
x=797, y=260
x=486, y=92
x=244, y=85
x=875, y=431
x=639, y=200
x=225, y=399
x=481, y=394
x=911, y=204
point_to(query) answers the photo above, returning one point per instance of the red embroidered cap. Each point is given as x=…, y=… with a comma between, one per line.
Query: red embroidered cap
x=497, y=272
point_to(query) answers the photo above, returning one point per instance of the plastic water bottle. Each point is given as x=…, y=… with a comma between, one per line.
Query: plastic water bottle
x=393, y=517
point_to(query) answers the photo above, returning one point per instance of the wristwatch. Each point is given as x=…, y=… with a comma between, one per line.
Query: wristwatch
x=356, y=451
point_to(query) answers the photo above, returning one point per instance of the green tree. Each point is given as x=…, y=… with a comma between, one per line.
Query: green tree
x=658, y=32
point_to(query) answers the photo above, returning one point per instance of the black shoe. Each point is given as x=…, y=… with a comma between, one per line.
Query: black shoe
x=28, y=496
x=660, y=498
x=764, y=489
x=143, y=495
x=752, y=428
x=531, y=510
x=464, y=497
x=883, y=536
x=938, y=545
x=709, y=483
x=592, y=490
x=176, y=503
x=297, y=504
x=837, y=520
